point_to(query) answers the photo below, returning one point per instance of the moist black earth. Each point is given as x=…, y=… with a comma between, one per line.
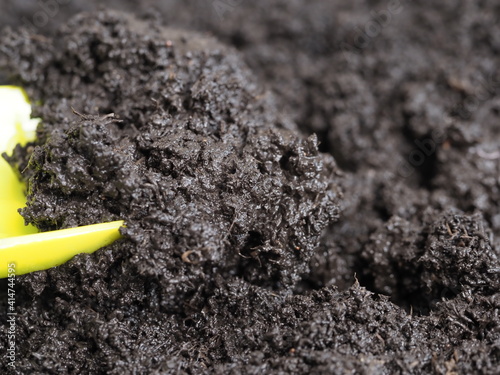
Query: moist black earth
x=308, y=187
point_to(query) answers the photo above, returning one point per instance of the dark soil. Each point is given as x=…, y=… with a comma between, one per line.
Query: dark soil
x=299, y=197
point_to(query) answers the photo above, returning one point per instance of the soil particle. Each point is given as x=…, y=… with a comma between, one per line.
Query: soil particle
x=449, y=255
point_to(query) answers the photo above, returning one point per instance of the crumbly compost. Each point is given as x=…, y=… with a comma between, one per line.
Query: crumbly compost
x=236, y=258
